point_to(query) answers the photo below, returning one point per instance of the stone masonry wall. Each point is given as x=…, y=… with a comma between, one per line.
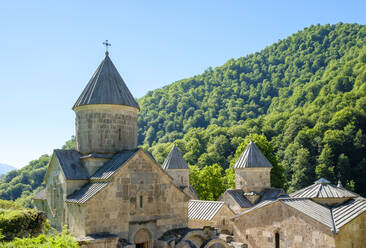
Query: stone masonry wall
x=353, y=234
x=105, y=128
x=180, y=177
x=117, y=209
x=296, y=230
x=253, y=179
x=76, y=219
x=56, y=194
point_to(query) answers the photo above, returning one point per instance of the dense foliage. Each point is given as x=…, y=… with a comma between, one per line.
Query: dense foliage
x=17, y=222
x=63, y=240
x=20, y=227
x=23, y=183
x=306, y=94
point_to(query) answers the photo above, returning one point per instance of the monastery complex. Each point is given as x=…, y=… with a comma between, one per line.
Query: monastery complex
x=110, y=193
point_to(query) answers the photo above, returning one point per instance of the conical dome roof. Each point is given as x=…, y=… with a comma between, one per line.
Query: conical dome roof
x=252, y=157
x=175, y=160
x=106, y=87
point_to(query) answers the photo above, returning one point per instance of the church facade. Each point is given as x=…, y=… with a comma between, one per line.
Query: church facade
x=107, y=191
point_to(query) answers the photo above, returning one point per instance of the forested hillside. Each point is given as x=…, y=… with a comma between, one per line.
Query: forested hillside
x=306, y=94
x=303, y=99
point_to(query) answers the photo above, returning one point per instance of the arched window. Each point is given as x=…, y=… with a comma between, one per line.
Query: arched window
x=141, y=201
x=277, y=240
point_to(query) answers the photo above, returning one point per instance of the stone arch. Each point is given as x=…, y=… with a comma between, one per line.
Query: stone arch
x=197, y=240
x=215, y=243
x=142, y=238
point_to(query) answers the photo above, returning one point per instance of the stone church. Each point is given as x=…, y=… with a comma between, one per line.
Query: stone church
x=110, y=193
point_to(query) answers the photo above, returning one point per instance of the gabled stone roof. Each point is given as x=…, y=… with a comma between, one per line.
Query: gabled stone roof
x=109, y=168
x=106, y=87
x=71, y=164
x=239, y=197
x=86, y=192
x=332, y=217
x=322, y=188
x=252, y=157
x=175, y=160
x=346, y=212
x=203, y=210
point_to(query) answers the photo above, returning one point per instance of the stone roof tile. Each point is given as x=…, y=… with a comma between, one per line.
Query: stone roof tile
x=106, y=87
x=252, y=157
x=71, y=164
x=175, y=160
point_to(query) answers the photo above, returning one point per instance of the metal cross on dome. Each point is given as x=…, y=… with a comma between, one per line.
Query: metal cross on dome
x=106, y=46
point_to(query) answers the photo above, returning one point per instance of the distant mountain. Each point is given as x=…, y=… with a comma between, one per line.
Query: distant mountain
x=5, y=168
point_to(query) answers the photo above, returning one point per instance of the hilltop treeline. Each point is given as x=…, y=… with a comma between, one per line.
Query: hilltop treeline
x=306, y=94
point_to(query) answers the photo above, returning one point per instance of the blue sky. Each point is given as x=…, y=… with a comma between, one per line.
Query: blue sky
x=50, y=49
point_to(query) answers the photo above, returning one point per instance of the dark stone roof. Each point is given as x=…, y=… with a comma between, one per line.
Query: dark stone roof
x=322, y=188
x=175, y=160
x=252, y=157
x=272, y=194
x=109, y=168
x=86, y=192
x=71, y=164
x=239, y=196
x=106, y=87
x=97, y=155
x=40, y=195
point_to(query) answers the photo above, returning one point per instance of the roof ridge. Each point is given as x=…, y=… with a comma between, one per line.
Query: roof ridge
x=334, y=229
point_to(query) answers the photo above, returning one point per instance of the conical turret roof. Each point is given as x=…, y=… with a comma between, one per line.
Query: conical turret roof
x=175, y=160
x=252, y=157
x=106, y=87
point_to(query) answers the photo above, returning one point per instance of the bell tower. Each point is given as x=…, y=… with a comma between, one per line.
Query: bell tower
x=106, y=113
x=176, y=167
x=252, y=170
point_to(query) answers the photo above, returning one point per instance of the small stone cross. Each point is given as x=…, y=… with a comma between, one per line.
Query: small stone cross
x=106, y=46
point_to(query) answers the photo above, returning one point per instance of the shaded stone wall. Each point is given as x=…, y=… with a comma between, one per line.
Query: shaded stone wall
x=76, y=219
x=221, y=220
x=117, y=208
x=73, y=185
x=258, y=228
x=353, y=234
x=105, y=128
x=253, y=179
x=180, y=177
x=56, y=194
